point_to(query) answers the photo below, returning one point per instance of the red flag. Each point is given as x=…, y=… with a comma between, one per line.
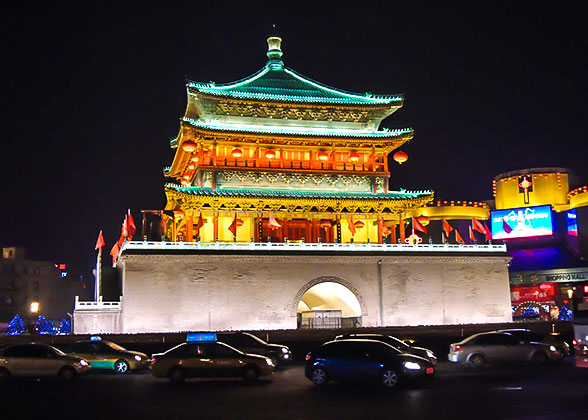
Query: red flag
x=446, y=227
x=488, y=233
x=272, y=222
x=506, y=226
x=478, y=226
x=125, y=231
x=351, y=226
x=458, y=238
x=114, y=252
x=100, y=243
x=418, y=226
x=131, y=228
x=199, y=224
x=233, y=227
x=472, y=236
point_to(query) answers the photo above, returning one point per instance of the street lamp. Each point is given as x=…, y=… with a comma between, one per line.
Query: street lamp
x=35, y=306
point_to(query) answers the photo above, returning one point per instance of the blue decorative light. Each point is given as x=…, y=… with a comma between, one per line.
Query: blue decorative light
x=16, y=326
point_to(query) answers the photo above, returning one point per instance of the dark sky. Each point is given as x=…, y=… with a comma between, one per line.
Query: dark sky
x=92, y=92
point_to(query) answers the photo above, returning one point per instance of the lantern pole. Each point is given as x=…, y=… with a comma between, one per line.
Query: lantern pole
x=98, y=275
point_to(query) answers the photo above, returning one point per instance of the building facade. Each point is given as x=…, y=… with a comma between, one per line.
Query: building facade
x=278, y=208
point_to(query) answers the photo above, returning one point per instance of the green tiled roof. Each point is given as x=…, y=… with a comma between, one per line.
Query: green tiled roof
x=207, y=192
x=274, y=82
x=296, y=131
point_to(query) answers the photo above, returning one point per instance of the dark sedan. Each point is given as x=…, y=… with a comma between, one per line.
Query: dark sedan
x=365, y=360
x=248, y=343
x=401, y=345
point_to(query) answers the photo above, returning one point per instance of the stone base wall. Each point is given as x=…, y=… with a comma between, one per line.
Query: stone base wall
x=167, y=293
x=97, y=322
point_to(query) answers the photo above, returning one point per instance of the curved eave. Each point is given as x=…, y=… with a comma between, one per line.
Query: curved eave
x=393, y=202
x=333, y=96
x=330, y=134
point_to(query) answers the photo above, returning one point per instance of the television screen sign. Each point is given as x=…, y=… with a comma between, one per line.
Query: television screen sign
x=572, y=222
x=523, y=222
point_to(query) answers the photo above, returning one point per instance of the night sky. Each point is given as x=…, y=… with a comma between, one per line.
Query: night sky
x=92, y=92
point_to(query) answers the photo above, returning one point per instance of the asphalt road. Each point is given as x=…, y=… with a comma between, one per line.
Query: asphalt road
x=552, y=392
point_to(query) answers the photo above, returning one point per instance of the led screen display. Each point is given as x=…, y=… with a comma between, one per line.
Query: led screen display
x=524, y=222
x=572, y=222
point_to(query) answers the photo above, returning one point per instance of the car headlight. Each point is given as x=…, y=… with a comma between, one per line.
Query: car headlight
x=552, y=348
x=83, y=363
x=412, y=365
x=137, y=358
x=269, y=361
x=284, y=350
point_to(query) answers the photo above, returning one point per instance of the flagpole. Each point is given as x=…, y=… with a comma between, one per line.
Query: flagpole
x=98, y=275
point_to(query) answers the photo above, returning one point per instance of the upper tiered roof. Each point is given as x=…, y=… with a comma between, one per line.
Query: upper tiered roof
x=275, y=82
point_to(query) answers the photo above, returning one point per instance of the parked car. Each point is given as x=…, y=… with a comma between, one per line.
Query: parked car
x=38, y=360
x=209, y=359
x=108, y=355
x=248, y=343
x=528, y=335
x=365, y=360
x=497, y=347
x=401, y=345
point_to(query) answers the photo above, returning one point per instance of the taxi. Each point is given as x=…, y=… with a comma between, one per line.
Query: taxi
x=108, y=355
x=202, y=356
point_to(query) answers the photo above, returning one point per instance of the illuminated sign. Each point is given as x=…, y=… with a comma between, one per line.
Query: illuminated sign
x=572, y=222
x=523, y=222
x=95, y=338
x=201, y=337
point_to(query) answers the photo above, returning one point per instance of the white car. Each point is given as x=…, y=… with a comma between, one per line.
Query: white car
x=498, y=347
x=38, y=360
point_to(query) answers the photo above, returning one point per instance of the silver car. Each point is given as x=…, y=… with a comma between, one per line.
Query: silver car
x=498, y=347
x=37, y=360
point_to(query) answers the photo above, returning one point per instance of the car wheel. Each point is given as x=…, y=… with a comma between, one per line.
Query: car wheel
x=67, y=374
x=389, y=378
x=4, y=375
x=250, y=373
x=121, y=366
x=176, y=375
x=319, y=376
x=477, y=361
x=540, y=358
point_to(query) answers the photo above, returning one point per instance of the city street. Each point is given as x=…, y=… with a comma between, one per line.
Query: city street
x=557, y=391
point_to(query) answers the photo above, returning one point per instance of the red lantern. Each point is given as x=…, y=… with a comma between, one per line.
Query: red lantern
x=323, y=156
x=325, y=224
x=237, y=153
x=359, y=225
x=400, y=157
x=354, y=157
x=270, y=154
x=194, y=159
x=424, y=220
x=189, y=146
x=239, y=222
x=191, y=166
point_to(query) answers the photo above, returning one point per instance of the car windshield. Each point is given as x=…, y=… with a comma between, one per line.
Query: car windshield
x=57, y=351
x=114, y=346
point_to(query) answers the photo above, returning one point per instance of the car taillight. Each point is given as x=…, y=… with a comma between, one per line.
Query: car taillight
x=307, y=357
x=153, y=360
x=457, y=347
x=575, y=342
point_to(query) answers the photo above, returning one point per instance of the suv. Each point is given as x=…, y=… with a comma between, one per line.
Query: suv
x=495, y=347
x=365, y=360
x=401, y=345
x=248, y=343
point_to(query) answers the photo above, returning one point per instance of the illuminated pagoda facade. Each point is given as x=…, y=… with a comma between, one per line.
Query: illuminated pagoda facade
x=279, y=157
x=278, y=216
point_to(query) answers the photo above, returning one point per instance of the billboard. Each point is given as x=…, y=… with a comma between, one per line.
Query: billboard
x=571, y=219
x=524, y=222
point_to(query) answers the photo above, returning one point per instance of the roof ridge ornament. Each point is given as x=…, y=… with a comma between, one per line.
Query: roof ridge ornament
x=274, y=50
